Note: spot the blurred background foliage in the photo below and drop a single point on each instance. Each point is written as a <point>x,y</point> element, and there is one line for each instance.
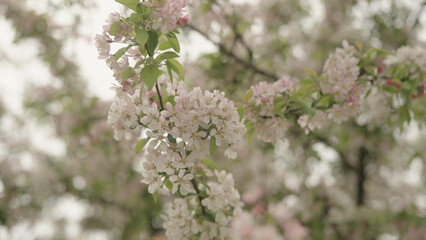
<point>362,179</point>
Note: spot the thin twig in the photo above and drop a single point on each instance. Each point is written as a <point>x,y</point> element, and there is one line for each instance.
<point>203,209</point>
<point>422,8</point>
<point>159,96</point>
<point>361,176</point>
<point>239,60</point>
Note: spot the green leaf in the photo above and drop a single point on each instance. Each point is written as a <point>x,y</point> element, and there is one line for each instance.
<point>132,4</point>
<point>176,67</point>
<point>169,71</point>
<point>150,74</point>
<point>141,37</point>
<point>213,146</point>
<point>279,112</point>
<point>203,183</point>
<point>155,196</point>
<point>359,45</point>
<point>174,42</point>
<point>324,100</point>
<point>121,52</point>
<point>127,73</point>
<point>114,28</point>
<point>164,45</point>
<point>241,112</point>
<point>166,55</point>
<point>171,99</point>
<point>309,110</point>
<point>136,17</point>
<point>171,138</point>
<point>246,97</point>
<point>168,183</point>
<point>311,72</point>
<point>152,42</point>
<point>140,144</point>
<point>205,7</point>
<point>209,163</point>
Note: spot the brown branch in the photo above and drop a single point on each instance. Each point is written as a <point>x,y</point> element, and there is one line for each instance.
<point>159,96</point>
<point>239,60</point>
<point>417,21</point>
<point>361,176</point>
<point>203,209</point>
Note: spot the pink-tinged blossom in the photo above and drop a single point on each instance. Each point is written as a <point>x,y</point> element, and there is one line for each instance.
<point>293,229</point>
<point>339,78</point>
<point>253,195</point>
<point>270,127</point>
<point>103,46</point>
<point>340,72</point>
<point>169,15</point>
<point>184,20</point>
<point>310,123</point>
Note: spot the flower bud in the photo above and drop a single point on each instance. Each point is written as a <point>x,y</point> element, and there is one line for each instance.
<point>398,85</point>
<point>183,21</point>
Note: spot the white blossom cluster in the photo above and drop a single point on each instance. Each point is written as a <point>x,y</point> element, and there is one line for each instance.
<point>270,126</point>
<point>340,73</point>
<point>182,220</point>
<point>122,115</point>
<point>339,78</point>
<point>122,35</point>
<point>245,227</point>
<point>183,133</point>
<point>409,55</point>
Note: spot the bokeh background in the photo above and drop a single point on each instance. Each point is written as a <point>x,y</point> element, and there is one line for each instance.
<point>62,176</point>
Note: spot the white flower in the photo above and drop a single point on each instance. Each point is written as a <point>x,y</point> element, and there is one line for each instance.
<point>103,46</point>
<point>182,180</point>
<point>154,181</point>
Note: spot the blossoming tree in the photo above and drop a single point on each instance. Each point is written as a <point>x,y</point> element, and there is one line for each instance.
<point>185,128</point>
<point>319,135</point>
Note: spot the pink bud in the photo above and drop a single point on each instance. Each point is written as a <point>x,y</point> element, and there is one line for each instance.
<point>389,82</point>
<point>398,85</point>
<point>422,93</point>
<point>422,86</point>
<point>183,21</point>
<point>414,96</point>
<point>379,69</point>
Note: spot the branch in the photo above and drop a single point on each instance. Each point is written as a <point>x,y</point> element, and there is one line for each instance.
<point>159,96</point>
<point>203,209</point>
<point>361,176</point>
<point>422,8</point>
<point>239,60</point>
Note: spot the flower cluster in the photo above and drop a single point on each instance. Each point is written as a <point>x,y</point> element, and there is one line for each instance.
<point>182,219</point>
<point>182,127</point>
<point>413,61</point>
<point>245,226</point>
<point>122,115</point>
<point>411,56</point>
<point>118,31</point>
<point>186,131</point>
<point>168,14</point>
<point>340,73</point>
<point>339,79</point>
<point>263,111</point>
